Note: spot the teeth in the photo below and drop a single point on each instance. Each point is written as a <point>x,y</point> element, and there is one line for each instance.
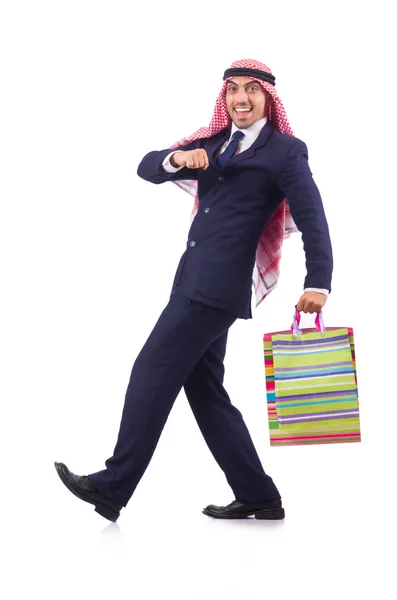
<point>242,109</point>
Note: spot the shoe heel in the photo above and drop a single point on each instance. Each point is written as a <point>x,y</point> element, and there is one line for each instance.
<point>106,512</point>
<point>270,514</point>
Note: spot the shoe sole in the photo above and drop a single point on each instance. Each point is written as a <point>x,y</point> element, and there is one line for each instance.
<point>268,514</point>
<point>101,509</point>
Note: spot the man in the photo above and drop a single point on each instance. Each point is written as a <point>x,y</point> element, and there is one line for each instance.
<point>252,186</point>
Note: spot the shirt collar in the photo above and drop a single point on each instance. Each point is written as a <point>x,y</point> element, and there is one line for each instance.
<point>251,133</point>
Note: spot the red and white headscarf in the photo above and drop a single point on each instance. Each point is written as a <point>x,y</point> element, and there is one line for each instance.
<point>281,224</point>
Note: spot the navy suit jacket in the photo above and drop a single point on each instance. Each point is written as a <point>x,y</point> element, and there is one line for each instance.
<point>235,204</point>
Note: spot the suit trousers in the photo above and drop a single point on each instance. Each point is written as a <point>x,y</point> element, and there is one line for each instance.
<point>186,348</point>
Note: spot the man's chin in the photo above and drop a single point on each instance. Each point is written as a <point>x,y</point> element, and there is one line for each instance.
<point>243,123</point>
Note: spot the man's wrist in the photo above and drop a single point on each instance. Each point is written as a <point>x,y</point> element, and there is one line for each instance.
<point>167,166</point>
<point>318,290</point>
<point>172,160</point>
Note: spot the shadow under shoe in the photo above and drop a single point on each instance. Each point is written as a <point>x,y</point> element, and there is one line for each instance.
<point>82,487</point>
<point>270,510</point>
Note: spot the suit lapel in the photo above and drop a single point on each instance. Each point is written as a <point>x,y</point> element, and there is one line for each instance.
<point>214,144</point>
<point>260,141</point>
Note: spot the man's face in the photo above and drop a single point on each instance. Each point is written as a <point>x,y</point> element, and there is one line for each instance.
<point>244,92</point>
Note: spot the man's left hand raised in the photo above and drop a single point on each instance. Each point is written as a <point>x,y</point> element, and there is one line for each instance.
<point>311,302</point>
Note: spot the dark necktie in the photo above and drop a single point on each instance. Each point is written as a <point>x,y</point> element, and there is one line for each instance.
<point>230,150</point>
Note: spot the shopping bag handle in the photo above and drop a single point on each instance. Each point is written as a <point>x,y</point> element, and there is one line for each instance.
<point>319,323</point>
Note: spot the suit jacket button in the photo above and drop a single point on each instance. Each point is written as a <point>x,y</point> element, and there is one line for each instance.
<point>221,178</point>
<point>207,210</point>
<point>192,244</point>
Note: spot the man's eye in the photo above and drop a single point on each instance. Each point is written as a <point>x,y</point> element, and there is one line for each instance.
<point>252,87</point>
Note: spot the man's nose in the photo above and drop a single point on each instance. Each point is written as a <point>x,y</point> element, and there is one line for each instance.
<point>242,97</point>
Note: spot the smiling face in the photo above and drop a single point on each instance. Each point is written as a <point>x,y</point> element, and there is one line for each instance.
<point>244,92</point>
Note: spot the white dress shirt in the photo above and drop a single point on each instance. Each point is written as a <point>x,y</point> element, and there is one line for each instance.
<point>250,135</point>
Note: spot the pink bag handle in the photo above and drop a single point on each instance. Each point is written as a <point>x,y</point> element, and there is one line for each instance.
<point>295,329</point>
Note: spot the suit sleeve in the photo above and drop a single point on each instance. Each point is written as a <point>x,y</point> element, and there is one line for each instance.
<point>150,168</point>
<point>306,206</point>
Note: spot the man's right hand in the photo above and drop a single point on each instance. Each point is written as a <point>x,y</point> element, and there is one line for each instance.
<point>192,159</point>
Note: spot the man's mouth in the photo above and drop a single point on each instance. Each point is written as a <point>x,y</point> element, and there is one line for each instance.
<point>243,111</point>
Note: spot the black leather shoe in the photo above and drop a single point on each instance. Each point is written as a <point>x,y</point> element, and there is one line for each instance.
<point>82,487</point>
<point>241,510</point>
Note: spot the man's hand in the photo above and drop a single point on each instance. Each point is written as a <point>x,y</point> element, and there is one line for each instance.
<point>311,302</point>
<point>192,159</point>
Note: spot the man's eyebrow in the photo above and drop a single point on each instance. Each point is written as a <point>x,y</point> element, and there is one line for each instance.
<point>249,83</point>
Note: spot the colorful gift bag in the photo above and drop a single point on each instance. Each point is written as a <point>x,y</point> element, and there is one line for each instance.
<point>311,385</point>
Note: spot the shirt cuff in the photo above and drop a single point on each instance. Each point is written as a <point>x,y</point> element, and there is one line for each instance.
<point>167,166</point>
<point>320,290</point>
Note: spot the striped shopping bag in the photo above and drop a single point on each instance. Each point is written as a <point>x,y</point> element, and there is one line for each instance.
<point>311,385</point>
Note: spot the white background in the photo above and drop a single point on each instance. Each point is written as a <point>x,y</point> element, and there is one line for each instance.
<point>88,254</point>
